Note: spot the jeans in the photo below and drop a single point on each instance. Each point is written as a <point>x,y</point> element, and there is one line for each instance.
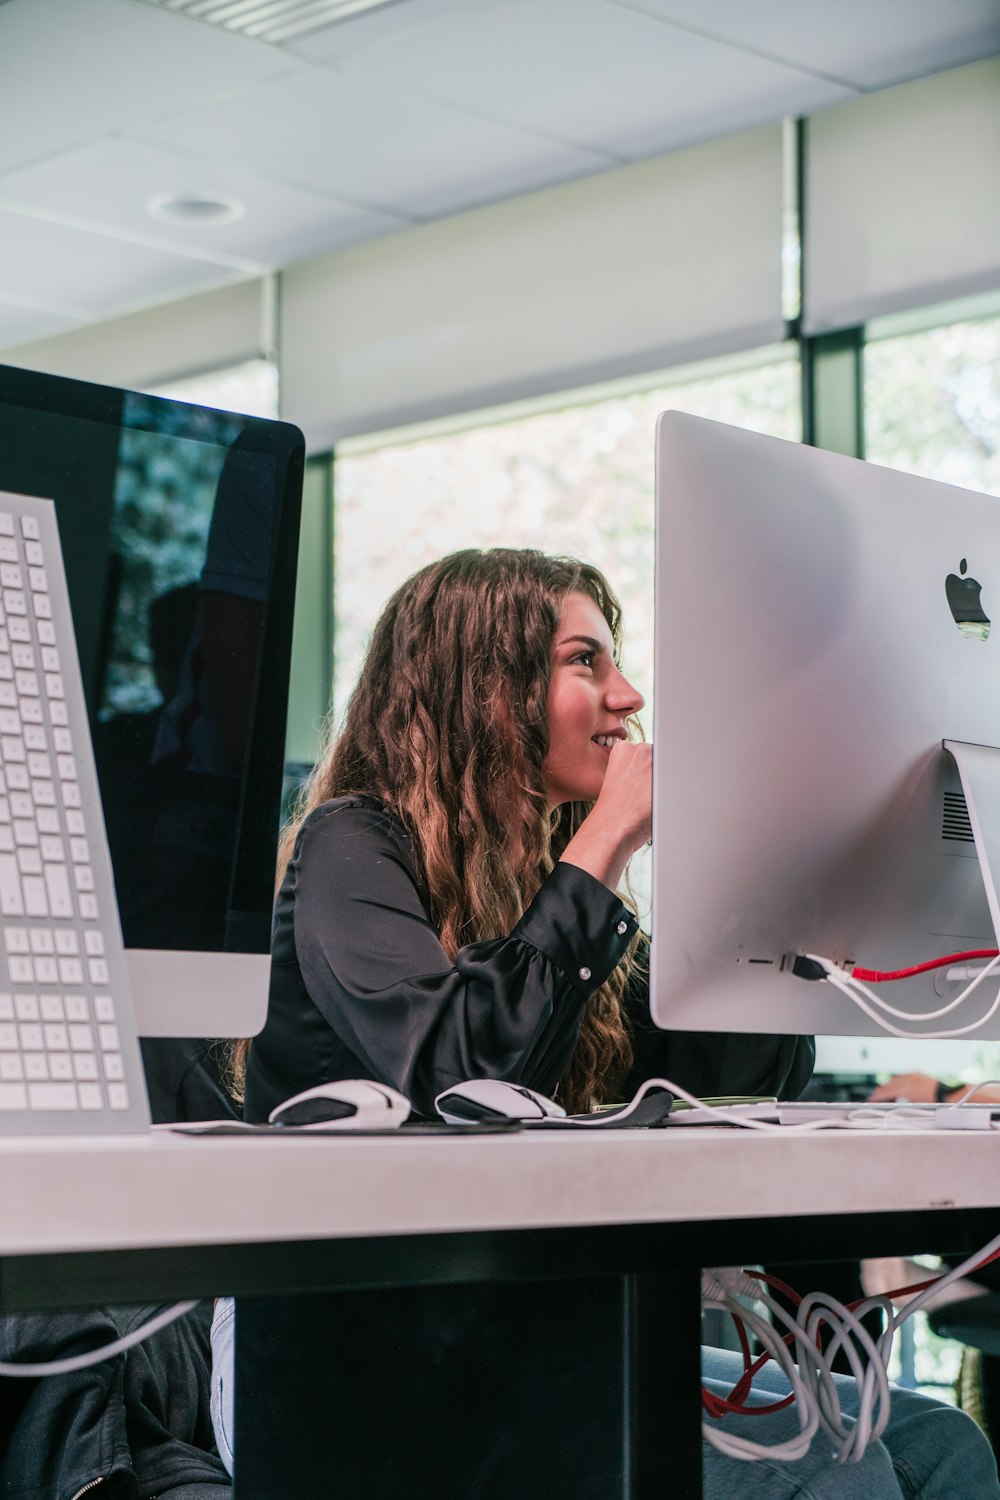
<point>928,1451</point>
<point>223,1368</point>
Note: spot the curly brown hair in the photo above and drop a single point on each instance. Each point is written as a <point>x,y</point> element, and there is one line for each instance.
<point>447,728</point>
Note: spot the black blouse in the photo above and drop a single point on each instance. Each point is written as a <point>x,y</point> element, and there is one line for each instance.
<point>361,987</point>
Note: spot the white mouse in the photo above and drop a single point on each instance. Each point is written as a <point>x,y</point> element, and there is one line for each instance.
<point>347,1104</point>
<point>492,1099</point>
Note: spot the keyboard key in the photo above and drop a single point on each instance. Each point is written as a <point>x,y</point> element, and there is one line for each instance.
<point>60,1096</point>
<point>29,528</point>
<point>66,766</point>
<point>36,899</point>
<point>19,630</point>
<point>91,1096</point>
<point>30,1034</point>
<point>84,1065</point>
<point>12,748</point>
<point>13,1096</point>
<point>56,1037</point>
<point>70,971</point>
<point>6,1007</point>
<point>22,654</point>
<point>20,970</point>
<point>63,741</point>
<point>37,581</point>
<point>52,1007</point>
<point>76,1007</point>
<point>104,1008</point>
<point>11,902</point>
<point>46,817</point>
<point>88,907</point>
<point>25,832</point>
<point>10,576</point>
<point>33,554</point>
<point>46,632</point>
<point>26,1007</point>
<point>29,862</point>
<point>38,762</point>
<point>46,970</point>
<point>75,821</point>
<point>70,794</point>
<point>11,1066</point>
<point>8,1037</point>
<point>18,779</point>
<point>42,606</point>
<point>83,875</point>
<point>79,851</point>
<point>57,885</point>
<point>14,602</point>
<point>36,739</point>
<point>107,1035</point>
<point>67,942</point>
<point>51,848</point>
<point>117,1096</point>
<point>58,712</point>
<point>44,793</point>
<point>31,711</point>
<point>60,1065</point>
<point>98,970</point>
<point>93,944</point>
<point>81,1038</point>
<point>36,1065</point>
<point>21,805</point>
<point>114,1068</point>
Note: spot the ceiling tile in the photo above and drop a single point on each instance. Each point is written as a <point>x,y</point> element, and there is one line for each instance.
<point>21,325</point>
<point>53,265</point>
<point>868,43</point>
<point>84,69</point>
<point>592,73</point>
<point>373,28</point>
<point>373,146</point>
<point>110,183</point>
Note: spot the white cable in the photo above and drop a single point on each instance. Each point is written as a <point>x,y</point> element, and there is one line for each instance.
<point>809,1370</point>
<point>106,1351</point>
<point>854,989</point>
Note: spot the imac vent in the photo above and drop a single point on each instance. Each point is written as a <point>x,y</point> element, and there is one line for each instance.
<point>955,823</point>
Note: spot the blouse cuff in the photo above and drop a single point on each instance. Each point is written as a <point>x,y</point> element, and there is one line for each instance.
<point>580,925</point>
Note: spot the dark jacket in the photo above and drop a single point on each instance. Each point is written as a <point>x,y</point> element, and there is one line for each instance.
<point>361,987</point>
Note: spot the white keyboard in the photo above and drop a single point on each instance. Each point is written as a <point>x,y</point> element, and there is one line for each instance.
<point>69,1059</point>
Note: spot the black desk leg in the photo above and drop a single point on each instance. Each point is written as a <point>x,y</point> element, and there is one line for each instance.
<point>664,1384</point>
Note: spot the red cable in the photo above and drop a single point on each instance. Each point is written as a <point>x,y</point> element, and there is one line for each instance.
<point>874,976</point>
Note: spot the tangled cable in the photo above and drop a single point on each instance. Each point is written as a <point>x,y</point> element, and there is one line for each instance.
<point>806,1365</point>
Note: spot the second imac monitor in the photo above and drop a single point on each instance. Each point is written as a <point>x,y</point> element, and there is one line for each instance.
<point>821,629</point>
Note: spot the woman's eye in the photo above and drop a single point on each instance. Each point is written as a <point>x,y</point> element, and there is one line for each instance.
<point>584,658</point>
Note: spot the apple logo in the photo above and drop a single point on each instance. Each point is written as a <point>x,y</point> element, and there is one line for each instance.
<point>964,603</point>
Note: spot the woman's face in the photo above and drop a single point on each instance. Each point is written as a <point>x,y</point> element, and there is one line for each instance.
<point>588,703</point>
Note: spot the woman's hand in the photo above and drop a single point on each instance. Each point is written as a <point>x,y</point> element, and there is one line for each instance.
<point>621,819</point>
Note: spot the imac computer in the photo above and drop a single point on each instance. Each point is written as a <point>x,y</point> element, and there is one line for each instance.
<point>179,532</point>
<point>826,733</point>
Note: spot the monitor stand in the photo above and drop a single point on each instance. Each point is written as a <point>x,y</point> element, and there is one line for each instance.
<point>979,773</point>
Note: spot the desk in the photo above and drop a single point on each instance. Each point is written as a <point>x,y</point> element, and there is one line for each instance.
<point>138,1218</point>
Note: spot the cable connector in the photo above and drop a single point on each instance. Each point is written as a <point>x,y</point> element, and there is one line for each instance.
<point>804,967</point>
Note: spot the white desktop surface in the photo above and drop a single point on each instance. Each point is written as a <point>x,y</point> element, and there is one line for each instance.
<point>68,1194</point>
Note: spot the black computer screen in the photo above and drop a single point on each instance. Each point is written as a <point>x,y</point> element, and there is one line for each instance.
<point>179,531</point>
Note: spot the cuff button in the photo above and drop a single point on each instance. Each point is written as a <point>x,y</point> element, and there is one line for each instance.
<point>622,928</point>
<point>584,972</point>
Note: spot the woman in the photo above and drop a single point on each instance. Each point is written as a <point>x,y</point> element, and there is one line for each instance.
<point>447,906</point>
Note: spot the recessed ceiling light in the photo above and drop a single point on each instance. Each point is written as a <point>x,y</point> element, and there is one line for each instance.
<point>195,209</point>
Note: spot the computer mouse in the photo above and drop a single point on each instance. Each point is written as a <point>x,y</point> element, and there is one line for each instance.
<point>347,1104</point>
<point>494,1099</point>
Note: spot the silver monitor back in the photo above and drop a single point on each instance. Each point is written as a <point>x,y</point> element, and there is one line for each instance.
<point>807,669</point>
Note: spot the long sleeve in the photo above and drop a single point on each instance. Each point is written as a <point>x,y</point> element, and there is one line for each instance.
<point>355,946</point>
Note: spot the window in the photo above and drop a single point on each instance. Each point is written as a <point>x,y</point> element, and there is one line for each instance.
<point>932,403</point>
<point>577,480</point>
